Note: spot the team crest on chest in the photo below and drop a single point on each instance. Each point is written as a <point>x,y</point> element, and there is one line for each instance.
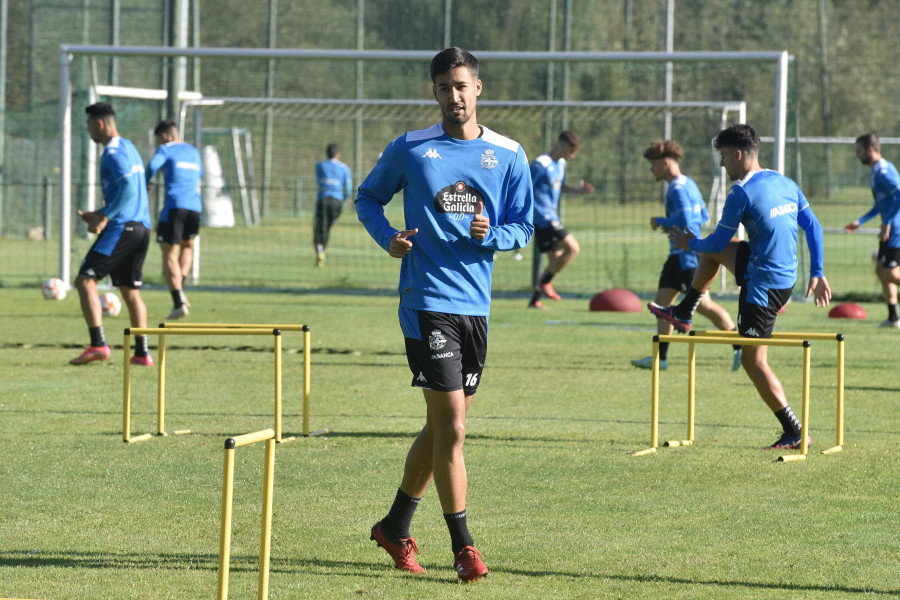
<point>488,160</point>
<point>437,340</point>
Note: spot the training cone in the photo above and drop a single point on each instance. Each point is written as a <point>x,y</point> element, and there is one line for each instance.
<point>847,310</point>
<point>617,300</point>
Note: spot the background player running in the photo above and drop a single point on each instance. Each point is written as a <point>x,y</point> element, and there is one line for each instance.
<point>885,183</point>
<point>684,210</point>
<point>548,176</point>
<point>770,206</point>
<point>179,219</point>
<point>466,194</point>
<point>335,186</point>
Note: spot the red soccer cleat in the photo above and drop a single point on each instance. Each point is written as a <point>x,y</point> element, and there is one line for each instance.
<point>91,354</point>
<point>144,361</point>
<point>547,290</point>
<point>469,566</point>
<point>402,551</point>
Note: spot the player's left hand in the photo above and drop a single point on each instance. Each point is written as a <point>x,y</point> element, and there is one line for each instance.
<point>480,223</point>
<point>585,188</point>
<point>681,237</point>
<point>818,286</point>
<point>885,232</point>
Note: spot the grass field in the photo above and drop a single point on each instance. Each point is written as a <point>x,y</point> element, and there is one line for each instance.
<point>557,503</point>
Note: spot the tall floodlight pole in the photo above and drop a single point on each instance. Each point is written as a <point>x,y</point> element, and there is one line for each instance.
<point>3,31</point>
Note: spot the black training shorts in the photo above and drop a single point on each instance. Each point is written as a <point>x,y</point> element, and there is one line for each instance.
<point>546,238</point>
<point>449,351</point>
<point>181,225</point>
<point>126,263</point>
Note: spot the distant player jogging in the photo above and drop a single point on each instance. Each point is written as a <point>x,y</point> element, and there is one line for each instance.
<point>179,219</point>
<point>123,236</point>
<point>548,176</point>
<point>335,186</point>
<point>885,184</point>
<point>771,207</point>
<point>466,195</point>
<point>684,210</point>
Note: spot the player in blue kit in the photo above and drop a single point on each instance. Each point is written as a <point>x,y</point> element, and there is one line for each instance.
<point>684,210</point>
<point>123,228</point>
<point>335,186</point>
<point>466,194</point>
<point>885,183</point>
<point>771,207</point>
<point>548,176</point>
<point>179,219</point>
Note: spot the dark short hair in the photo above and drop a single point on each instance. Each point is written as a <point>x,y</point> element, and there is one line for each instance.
<point>664,149</point>
<point>165,126</point>
<point>449,59</point>
<point>741,136</point>
<point>332,149</point>
<point>869,140</point>
<point>100,110</point>
<point>571,138</point>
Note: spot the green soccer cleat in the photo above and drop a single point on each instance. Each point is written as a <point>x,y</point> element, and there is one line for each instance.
<point>647,363</point>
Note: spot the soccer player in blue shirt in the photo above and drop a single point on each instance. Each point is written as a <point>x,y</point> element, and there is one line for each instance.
<point>771,207</point>
<point>179,219</point>
<point>335,186</point>
<point>466,195</point>
<point>123,228</point>
<point>684,210</point>
<point>548,176</point>
<point>885,183</point>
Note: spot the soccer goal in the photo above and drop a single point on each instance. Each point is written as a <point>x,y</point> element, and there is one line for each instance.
<point>393,96</point>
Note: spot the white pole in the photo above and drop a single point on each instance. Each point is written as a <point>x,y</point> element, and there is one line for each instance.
<point>65,165</point>
<point>780,130</point>
<point>670,47</point>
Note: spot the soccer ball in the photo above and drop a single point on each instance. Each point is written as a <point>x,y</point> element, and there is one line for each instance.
<point>111,304</point>
<point>54,289</point>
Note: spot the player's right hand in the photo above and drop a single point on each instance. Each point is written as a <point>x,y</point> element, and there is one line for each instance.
<point>400,245</point>
<point>851,227</point>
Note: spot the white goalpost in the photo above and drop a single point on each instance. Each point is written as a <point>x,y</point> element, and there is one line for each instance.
<point>190,100</point>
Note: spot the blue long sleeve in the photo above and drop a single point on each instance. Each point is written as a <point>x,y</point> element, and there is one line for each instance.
<point>814,241</point>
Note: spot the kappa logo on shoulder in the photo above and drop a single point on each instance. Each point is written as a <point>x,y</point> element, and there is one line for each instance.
<point>432,153</point>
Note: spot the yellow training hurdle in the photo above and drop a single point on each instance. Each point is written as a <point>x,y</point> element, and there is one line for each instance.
<point>210,329</point>
<point>265,543</point>
<point>307,359</point>
<point>720,339</point>
<point>839,376</point>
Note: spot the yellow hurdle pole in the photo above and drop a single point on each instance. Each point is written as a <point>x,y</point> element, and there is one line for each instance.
<point>227,500</point>
<point>277,334</point>
<point>126,390</point>
<point>692,390</point>
<point>239,326</point>
<point>804,425</point>
<point>161,388</point>
<point>265,542</point>
<point>307,361</point>
<point>804,428</point>
<point>225,525</point>
<point>839,435</point>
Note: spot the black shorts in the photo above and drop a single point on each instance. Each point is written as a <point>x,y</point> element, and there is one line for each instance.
<point>741,260</point>
<point>674,277</point>
<point>759,321</point>
<point>888,257</point>
<point>182,225</point>
<point>125,266</point>
<point>546,238</point>
<point>448,353</point>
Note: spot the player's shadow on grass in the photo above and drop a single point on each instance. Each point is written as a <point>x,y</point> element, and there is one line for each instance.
<point>32,559</point>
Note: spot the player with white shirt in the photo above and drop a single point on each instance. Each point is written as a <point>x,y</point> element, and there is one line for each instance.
<point>466,195</point>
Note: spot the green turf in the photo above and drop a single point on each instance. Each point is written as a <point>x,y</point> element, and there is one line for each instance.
<point>557,503</point>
